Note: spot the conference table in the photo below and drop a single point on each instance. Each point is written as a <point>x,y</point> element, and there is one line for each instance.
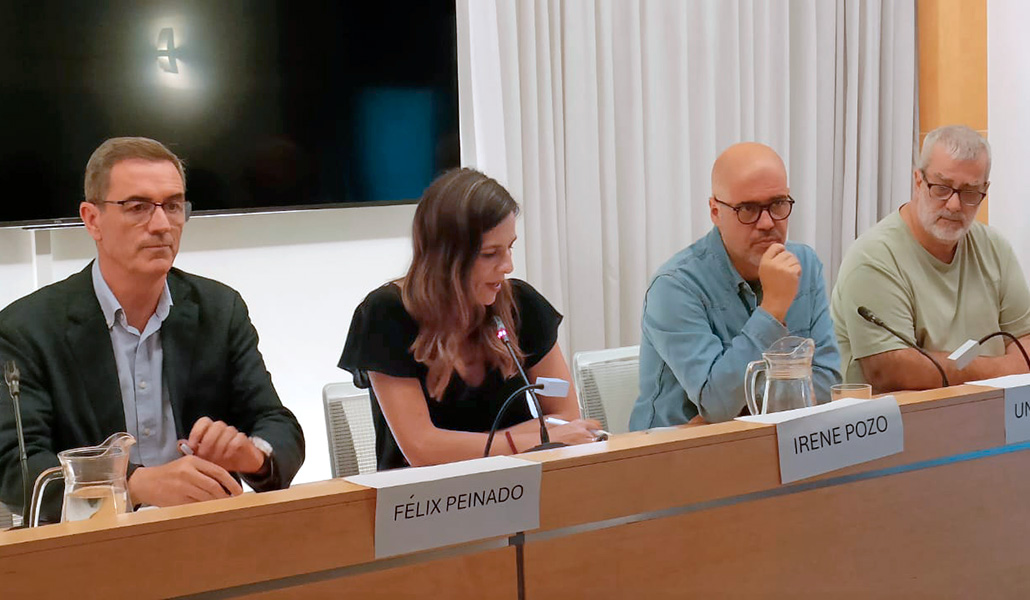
<point>673,512</point>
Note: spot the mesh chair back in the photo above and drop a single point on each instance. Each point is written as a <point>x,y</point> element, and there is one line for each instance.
<point>607,383</point>
<point>349,428</point>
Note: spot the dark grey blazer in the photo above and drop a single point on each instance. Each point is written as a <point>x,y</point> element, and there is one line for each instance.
<point>70,396</point>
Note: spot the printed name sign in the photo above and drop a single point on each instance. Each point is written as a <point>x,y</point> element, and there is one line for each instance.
<point>1017,414</point>
<point>1017,405</point>
<point>824,438</point>
<point>430,507</point>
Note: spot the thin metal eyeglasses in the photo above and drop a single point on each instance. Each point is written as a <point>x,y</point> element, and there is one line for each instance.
<point>943,193</point>
<point>749,213</point>
<point>141,211</point>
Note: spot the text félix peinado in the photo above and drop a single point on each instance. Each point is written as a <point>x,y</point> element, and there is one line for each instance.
<point>455,502</point>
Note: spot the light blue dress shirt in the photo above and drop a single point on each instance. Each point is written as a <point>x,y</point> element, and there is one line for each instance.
<point>702,326</point>
<point>138,357</point>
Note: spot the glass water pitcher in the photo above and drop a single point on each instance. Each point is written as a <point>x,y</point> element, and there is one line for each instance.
<point>787,365</point>
<point>94,481</point>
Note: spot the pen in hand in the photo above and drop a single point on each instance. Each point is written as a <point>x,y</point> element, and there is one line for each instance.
<point>185,450</point>
<point>600,434</point>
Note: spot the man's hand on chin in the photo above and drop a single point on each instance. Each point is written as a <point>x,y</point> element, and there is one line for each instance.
<point>780,274</point>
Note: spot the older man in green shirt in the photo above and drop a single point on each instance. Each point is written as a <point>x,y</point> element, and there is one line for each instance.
<point>933,273</point>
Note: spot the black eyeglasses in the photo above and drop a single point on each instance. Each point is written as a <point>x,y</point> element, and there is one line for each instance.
<point>943,193</point>
<point>141,211</point>
<point>749,213</point>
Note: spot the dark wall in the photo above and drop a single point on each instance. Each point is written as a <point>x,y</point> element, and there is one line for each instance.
<point>275,103</point>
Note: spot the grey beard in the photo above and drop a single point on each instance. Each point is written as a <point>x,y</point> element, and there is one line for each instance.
<point>928,218</point>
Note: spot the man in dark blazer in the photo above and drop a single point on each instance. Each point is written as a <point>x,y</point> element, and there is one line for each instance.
<point>132,344</point>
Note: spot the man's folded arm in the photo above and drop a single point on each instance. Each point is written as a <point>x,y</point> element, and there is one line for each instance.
<point>887,363</point>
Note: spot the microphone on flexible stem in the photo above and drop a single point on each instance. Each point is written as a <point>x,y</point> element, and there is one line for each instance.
<point>868,315</point>
<point>545,438</point>
<point>1011,337</point>
<point>12,377</point>
<point>500,415</point>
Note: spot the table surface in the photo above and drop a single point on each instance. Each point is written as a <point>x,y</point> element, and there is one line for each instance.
<point>602,505</point>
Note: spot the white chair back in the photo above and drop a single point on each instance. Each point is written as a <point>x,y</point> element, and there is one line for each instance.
<point>349,428</point>
<point>607,383</point>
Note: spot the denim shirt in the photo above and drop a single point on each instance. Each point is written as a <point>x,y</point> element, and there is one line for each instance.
<point>702,326</point>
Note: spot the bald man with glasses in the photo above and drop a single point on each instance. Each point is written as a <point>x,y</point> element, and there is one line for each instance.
<point>719,303</point>
<point>933,273</point>
<point>132,344</point>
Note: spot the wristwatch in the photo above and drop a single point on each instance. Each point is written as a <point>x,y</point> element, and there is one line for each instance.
<point>261,445</point>
<point>266,449</point>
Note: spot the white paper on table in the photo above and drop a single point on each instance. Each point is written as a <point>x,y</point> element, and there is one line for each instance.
<point>394,477</point>
<point>797,413</point>
<point>1006,381</point>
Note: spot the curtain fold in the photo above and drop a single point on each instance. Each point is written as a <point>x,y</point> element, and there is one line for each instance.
<point>603,118</point>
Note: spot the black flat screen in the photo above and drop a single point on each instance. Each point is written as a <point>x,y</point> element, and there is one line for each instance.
<point>273,104</point>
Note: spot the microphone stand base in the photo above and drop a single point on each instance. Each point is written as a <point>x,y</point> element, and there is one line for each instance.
<point>547,446</point>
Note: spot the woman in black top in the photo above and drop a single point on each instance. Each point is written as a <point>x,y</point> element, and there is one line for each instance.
<point>427,347</point>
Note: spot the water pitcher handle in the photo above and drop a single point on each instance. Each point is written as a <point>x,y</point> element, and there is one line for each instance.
<point>37,493</point>
<point>750,377</point>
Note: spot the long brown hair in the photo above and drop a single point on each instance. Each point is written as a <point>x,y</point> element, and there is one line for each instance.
<point>452,216</point>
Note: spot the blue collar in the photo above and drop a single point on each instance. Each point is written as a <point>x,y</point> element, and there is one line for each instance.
<point>110,305</point>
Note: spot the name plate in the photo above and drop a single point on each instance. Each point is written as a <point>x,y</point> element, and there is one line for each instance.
<point>824,438</point>
<point>1017,405</point>
<point>1017,414</point>
<point>429,507</point>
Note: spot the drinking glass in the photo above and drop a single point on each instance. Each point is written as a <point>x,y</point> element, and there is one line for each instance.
<point>851,390</point>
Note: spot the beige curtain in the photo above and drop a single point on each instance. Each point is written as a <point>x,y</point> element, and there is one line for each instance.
<point>603,118</point>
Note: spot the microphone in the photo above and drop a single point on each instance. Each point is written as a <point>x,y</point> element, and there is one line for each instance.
<point>500,414</point>
<point>545,438</point>
<point>12,377</point>
<point>868,315</point>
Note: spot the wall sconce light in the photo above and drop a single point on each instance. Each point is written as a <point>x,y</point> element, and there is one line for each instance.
<point>166,51</point>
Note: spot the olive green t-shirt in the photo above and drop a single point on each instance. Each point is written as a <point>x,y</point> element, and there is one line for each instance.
<point>937,305</point>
